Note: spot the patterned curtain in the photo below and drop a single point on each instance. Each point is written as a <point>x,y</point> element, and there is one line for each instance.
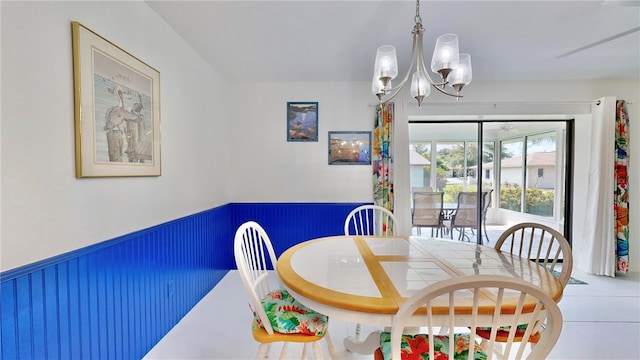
<point>621,198</point>
<point>382,157</point>
<point>605,249</point>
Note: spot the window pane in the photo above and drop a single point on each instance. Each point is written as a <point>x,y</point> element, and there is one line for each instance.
<point>420,164</point>
<point>488,154</point>
<point>541,174</point>
<point>450,171</point>
<point>471,164</point>
<point>511,163</point>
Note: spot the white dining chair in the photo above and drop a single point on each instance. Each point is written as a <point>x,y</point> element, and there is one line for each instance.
<point>465,215</point>
<point>255,259</point>
<point>370,220</point>
<point>506,307</point>
<point>543,245</point>
<point>426,211</point>
<point>487,195</point>
<point>539,243</point>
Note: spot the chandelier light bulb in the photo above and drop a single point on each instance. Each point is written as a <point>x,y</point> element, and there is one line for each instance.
<point>461,76</point>
<point>377,88</point>
<point>445,55</point>
<point>420,87</point>
<point>386,66</point>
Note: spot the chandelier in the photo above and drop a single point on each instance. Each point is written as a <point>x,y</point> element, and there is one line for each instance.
<point>454,68</point>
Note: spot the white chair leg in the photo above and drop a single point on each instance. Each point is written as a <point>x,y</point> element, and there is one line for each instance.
<point>332,349</point>
<point>283,353</point>
<point>304,351</point>
<point>497,349</point>
<point>358,330</point>
<point>317,351</point>
<point>263,351</point>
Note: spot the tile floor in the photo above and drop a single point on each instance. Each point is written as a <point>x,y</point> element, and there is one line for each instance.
<point>601,321</point>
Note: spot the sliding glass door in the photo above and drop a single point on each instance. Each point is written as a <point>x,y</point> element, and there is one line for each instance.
<point>526,159</point>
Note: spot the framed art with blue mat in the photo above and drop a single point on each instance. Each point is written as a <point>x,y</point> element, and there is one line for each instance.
<point>349,147</point>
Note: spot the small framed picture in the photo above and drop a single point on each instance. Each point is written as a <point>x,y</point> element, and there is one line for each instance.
<point>349,147</point>
<point>302,121</point>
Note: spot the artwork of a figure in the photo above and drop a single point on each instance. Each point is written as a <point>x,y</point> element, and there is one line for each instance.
<point>122,101</point>
<point>116,115</point>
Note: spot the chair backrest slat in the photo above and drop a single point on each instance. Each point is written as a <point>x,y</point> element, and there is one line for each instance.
<point>514,302</point>
<point>543,244</point>
<point>370,220</point>
<point>253,253</point>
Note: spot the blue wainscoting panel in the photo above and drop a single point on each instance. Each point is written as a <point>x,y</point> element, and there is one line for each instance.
<point>118,298</point>
<point>288,224</point>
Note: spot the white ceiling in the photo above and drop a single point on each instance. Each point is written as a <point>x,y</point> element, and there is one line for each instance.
<point>337,40</point>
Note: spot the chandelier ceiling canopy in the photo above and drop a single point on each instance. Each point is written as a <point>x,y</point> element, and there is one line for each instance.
<point>454,68</point>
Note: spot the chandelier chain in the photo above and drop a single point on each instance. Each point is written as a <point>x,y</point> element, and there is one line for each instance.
<point>417,18</point>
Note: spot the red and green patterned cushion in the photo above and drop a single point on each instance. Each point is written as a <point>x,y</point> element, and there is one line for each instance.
<point>503,333</point>
<point>504,328</point>
<point>416,347</point>
<point>288,316</point>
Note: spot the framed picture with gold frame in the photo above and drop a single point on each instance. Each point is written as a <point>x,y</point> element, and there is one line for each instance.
<point>117,109</point>
<point>349,147</point>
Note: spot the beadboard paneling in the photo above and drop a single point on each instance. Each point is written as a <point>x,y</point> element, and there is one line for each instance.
<point>118,298</point>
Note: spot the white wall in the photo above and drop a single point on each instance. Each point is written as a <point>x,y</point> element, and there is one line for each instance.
<point>268,168</point>
<point>45,210</point>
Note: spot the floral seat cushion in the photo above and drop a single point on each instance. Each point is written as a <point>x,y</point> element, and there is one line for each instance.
<point>288,316</point>
<point>522,327</point>
<point>503,333</point>
<point>416,347</point>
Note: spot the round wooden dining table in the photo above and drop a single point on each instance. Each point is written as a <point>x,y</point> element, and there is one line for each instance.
<point>365,279</point>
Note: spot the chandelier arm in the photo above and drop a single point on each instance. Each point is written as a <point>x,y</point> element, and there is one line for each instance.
<point>385,99</point>
<point>421,66</point>
<point>435,86</point>
<point>417,36</point>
